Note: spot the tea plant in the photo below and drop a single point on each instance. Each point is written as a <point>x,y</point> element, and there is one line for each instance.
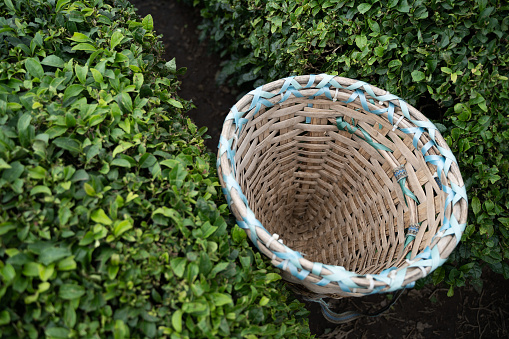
<point>111,225</point>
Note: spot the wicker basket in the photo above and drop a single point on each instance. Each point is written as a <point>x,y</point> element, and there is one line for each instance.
<point>348,189</point>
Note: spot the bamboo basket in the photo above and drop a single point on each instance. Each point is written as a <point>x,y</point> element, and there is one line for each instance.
<point>348,190</point>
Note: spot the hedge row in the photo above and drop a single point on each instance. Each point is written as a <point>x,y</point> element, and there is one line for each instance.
<point>111,224</point>
<point>449,58</point>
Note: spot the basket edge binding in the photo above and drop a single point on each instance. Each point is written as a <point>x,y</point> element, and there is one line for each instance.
<point>332,280</point>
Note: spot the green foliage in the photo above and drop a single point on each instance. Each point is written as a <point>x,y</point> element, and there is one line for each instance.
<point>449,58</point>
<point>110,225</point>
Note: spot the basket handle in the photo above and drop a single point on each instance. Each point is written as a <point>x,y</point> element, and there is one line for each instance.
<point>347,316</point>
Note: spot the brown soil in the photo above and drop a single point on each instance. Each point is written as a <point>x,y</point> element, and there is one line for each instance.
<point>425,313</point>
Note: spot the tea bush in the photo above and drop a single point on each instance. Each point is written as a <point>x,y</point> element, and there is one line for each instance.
<point>111,225</point>
<point>448,58</point>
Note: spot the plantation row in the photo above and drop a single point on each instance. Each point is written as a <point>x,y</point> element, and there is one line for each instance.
<point>112,225</point>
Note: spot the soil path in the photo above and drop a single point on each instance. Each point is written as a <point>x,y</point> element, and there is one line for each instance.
<point>425,313</point>
<point>178,23</point>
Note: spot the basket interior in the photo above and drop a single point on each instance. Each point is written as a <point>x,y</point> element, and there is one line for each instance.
<point>329,193</point>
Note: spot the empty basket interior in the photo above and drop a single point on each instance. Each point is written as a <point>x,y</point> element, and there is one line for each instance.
<point>313,171</point>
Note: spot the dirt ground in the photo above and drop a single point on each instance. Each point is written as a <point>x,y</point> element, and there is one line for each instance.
<point>425,313</point>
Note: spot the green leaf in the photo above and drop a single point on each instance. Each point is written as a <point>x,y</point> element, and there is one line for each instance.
<point>120,163</point>
<point>482,105</point>
<point>361,41</point>
<point>504,221</point>
<point>171,66</point>
<point>80,175</point>
<point>3,164</point>
<point>53,61</point>
<point>97,75</point>
<point>147,160</point>
<point>52,254</point>
<point>438,275</point>
<point>446,70</point>
<point>178,266</point>
<point>456,133</point>
<point>43,287</point>
<point>9,5</point>
<point>121,330</point>
<point>476,205</point>
<point>418,76</point>
<point>31,269</point>
<point>72,91</point>
<point>84,47</point>
<point>454,77</point>
<point>6,227</point>
<point>122,227</point>
<point>5,318</point>
<point>45,272</point>
<point>40,189</point>
<point>395,63</point>
<point>421,13</point>
<point>138,80</point>
<point>392,3</point>
<point>176,320</point>
<point>125,102</point>
<point>175,103</point>
<point>270,277</point>
<point>34,67</point>
<point>80,37</point>
<point>24,122</point>
<point>363,8</point>
<point>68,144</point>
<point>379,51</point>
<point>100,217</point>
<point>71,291</point>
<point>81,73</point>
<point>89,189</point>
<point>484,119</point>
<point>238,234</point>
<point>194,307</point>
<point>208,230</point>
<point>116,38</point>
<point>177,175</point>
<point>450,292</point>
<point>220,299</point>
<point>121,148</point>
<point>57,333</point>
<point>61,3</point>
<point>441,128</point>
<point>489,205</point>
<point>264,301</point>
<point>69,315</point>
<point>218,268</point>
<point>403,6</point>
<point>55,131</point>
<point>14,172</point>
<point>70,120</point>
<point>8,273</point>
<point>67,264</point>
<point>31,298</point>
<point>148,23</point>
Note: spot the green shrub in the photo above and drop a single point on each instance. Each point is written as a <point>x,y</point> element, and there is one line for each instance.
<point>109,221</point>
<point>449,58</point>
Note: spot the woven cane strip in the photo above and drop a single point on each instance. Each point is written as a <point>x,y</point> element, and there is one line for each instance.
<point>312,159</point>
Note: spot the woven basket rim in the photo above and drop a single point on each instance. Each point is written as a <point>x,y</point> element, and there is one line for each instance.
<point>314,275</point>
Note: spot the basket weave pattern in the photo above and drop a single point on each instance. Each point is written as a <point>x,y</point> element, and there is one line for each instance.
<point>361,188</point>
